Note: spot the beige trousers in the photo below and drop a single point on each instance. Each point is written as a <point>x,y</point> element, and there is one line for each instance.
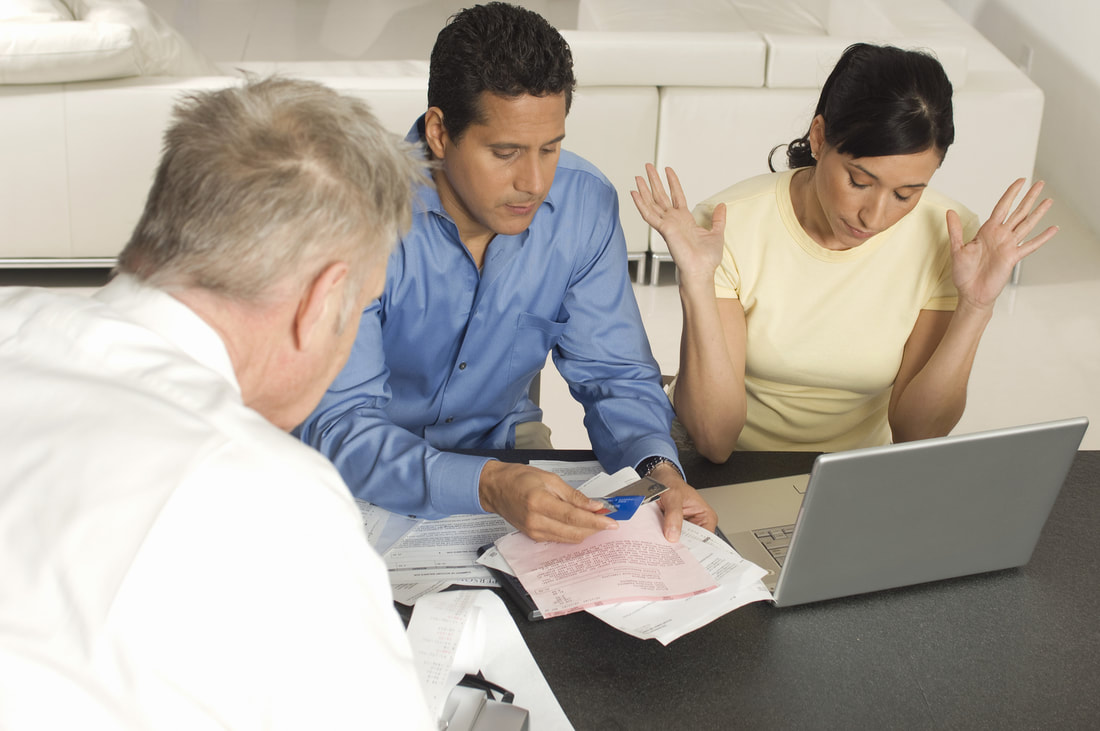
<point>533,435</point>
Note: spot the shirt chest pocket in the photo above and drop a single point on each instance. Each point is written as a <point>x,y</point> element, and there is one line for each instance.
<point>532,340</point>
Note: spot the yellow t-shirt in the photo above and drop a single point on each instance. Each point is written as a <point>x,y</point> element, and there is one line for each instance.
<point>826,329</point>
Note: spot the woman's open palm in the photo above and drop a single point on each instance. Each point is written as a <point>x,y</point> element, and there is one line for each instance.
<point>982,266</point>
<point>697,251</point>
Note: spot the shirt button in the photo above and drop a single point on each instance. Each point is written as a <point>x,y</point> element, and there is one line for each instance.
<point>450,419</point>
<point>462,366</point>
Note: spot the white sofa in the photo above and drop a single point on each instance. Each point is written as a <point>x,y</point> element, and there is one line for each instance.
<point>720,115</point>
<point>707,87</point>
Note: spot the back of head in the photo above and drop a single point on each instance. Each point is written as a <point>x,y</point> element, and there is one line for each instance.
<point>881,100</point>
<point>498,48</point>
<point>270,181</point>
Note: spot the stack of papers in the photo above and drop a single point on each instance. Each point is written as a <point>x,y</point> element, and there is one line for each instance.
<point>631,578</point>
<point>633,563</point>
<point>733,581</point>
<point>427,556</point>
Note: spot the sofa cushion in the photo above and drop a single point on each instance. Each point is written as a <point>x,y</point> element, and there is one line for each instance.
<point>626,58</point>
<point>46,41</point>
<point>687,41</point>
<point>660,16</point>
<point>653,42</point>
<point>45,52</point>
<point>160,49</point>
<point>33,11</point>
<point>804,61</point>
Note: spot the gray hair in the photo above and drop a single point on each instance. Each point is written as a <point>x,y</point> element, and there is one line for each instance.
<point>269,181</point>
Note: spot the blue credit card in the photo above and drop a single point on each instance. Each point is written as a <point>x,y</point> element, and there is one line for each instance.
<point>620,507</point>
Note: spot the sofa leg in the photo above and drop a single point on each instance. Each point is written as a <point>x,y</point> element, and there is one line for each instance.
<point>639,260</point>
<point>655,261</point>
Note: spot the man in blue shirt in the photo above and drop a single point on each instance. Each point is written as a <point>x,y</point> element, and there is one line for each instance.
<point>516,252</point>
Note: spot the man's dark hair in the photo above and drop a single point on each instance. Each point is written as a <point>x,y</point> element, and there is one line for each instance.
<point>881,100</point>
<point>499,48</point>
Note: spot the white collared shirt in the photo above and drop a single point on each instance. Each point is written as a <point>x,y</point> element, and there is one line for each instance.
<point>169,558</point>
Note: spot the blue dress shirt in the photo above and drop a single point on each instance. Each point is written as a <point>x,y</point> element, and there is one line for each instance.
<point>444,358</point>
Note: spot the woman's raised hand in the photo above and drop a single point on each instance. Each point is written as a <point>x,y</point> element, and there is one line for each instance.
<point>981,267</point>
<point>697,251</point>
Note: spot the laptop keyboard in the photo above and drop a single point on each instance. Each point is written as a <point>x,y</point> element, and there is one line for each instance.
<point>776,540</point>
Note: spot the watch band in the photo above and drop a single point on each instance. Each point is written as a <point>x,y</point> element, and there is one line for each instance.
<point>649,464</point>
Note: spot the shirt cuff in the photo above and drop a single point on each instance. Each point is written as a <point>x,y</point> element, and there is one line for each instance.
<point>453,483</point>
<point>653,446</point>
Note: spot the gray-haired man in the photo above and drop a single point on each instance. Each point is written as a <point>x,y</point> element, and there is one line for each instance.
<point>172,558</point>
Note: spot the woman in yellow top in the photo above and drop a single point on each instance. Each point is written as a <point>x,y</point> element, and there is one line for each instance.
<point>839,304</point>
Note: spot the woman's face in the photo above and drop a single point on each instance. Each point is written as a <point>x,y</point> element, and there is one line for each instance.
<point>859,197</point>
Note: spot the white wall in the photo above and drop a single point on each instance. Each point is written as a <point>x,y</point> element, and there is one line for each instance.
<point>1054,42</point>
<point>966,8</point>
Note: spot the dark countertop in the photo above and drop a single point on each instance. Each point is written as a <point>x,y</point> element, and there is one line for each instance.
<point>1018,648</point>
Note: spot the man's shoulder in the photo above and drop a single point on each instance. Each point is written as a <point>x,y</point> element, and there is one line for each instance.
<point>21,305</point>
<point>251,443</point>
<point>576,170</point>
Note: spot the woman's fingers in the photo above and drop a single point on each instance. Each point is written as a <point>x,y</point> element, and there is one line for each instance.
<point>677,190</point>
<point>1028,247</point>
<point>1024,209</point>
<point>1031,220</point>
<point>1004,205</point>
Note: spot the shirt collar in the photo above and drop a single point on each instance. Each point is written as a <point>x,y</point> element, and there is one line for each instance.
<point>172,320</point>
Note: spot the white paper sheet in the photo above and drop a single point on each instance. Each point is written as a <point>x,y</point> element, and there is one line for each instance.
<point>436,554</point>
<point>495,646</point>
<point>573,474</point>
<point>383,527</point>
<point>447,643</point>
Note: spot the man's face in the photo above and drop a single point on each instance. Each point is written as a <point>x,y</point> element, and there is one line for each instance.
<point>495,177</point>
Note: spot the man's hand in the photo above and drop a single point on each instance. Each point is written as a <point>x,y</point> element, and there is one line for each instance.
<point>539,503</point>
<point>681,502</point>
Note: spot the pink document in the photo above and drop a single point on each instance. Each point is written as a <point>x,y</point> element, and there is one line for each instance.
<point>633,563</point>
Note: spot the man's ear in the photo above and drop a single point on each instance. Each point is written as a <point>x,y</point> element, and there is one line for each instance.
<point>435,133</point>
<point>321,295</point>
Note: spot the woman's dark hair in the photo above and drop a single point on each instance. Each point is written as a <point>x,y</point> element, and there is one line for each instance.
<point>499,48</point>
<point>881,100</point>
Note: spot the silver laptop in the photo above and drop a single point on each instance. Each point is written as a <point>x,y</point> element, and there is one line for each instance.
<point>902,514</point>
